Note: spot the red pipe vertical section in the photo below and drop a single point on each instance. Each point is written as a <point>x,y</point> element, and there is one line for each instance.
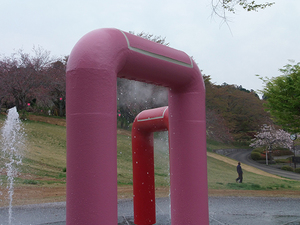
<point>143,178</point>
<point>144,125</point>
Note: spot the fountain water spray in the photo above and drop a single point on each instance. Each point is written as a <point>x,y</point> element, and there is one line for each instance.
<point>13,143</point>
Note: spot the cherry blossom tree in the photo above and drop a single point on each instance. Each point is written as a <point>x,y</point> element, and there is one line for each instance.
<point>270,137</point>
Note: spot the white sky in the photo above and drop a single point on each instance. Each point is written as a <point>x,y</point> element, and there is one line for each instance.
<point>256,43</point>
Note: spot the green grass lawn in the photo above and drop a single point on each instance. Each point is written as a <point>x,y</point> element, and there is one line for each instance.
<point>44,162</point>
<point>222,176</point>
<point>44,159</point>
<point>214,145</point>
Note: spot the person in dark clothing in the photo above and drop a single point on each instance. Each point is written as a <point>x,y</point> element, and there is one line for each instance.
<point>240,173</point>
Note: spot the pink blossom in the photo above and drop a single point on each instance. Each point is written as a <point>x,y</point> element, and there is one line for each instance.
<point>269,136</point>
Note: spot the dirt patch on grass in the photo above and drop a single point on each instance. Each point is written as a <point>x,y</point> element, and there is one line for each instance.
<point>27,195</point>
<point>63,122</point>
<point>45,119</point>
<point>256,193</point>
<point>125,192</point>
<point>36,194</point>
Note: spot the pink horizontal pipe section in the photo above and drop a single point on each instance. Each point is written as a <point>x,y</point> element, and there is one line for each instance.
<point>147,122</point>
<point>156,48</point>
<point>95,62</point>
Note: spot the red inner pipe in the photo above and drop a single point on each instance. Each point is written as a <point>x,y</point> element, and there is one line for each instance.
<point>144,125</point>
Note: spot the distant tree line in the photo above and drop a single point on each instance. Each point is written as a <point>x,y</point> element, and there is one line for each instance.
<point>33,82</point>
<point>282,95</point>
<point>37,83</point>
<point>233,113</point>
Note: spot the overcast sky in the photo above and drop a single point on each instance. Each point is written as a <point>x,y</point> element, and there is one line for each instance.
<point>256,43</point>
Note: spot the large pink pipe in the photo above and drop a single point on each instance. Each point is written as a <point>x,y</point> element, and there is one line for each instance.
<point>94,64</point>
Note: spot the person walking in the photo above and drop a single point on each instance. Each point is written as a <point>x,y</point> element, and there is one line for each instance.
<point>240,173</point>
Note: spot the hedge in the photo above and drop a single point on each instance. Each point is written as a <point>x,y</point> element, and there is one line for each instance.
<point>255,155</point>
<point>287,168</point>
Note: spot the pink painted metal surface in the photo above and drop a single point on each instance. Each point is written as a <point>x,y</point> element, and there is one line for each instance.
<point>147,122</point>
<point>94,64</point>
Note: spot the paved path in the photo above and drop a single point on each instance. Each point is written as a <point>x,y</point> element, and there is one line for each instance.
<point>222,210</point>
<point>244,157</point>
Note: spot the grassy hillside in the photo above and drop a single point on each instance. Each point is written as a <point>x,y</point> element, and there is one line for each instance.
<point>222,175</point>
<point>44,162</point>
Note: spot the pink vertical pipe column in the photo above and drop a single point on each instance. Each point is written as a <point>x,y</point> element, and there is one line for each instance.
<point>91,130</point>
<point>147,122</point>
<point>188,166</point>
<point>94,63</point>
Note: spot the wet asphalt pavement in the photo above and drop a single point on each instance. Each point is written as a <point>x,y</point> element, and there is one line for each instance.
<point>222,210</point>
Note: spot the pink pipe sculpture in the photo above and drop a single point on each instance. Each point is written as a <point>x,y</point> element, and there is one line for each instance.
<point>147,122</point>
<point>94,64</point>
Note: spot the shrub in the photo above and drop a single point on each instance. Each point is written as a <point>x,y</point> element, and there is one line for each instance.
<point>260,150</point>
<point>30,182</point>
<point>287,168</point>
<point>23,114</point>
<point>263,156</point>
<point>297,170</point>
<point>255,187</point>
<point>62,175</point>
<point>280,152</point>
<point>282,160</point>
<point>245,186</point>
<point>255,155</point>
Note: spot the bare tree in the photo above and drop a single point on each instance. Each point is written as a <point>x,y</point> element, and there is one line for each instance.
<point>221,7</point>
<point>4,68</point>
<point>157,39</point>
<point>22,75</point>
<point>56,74</point>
